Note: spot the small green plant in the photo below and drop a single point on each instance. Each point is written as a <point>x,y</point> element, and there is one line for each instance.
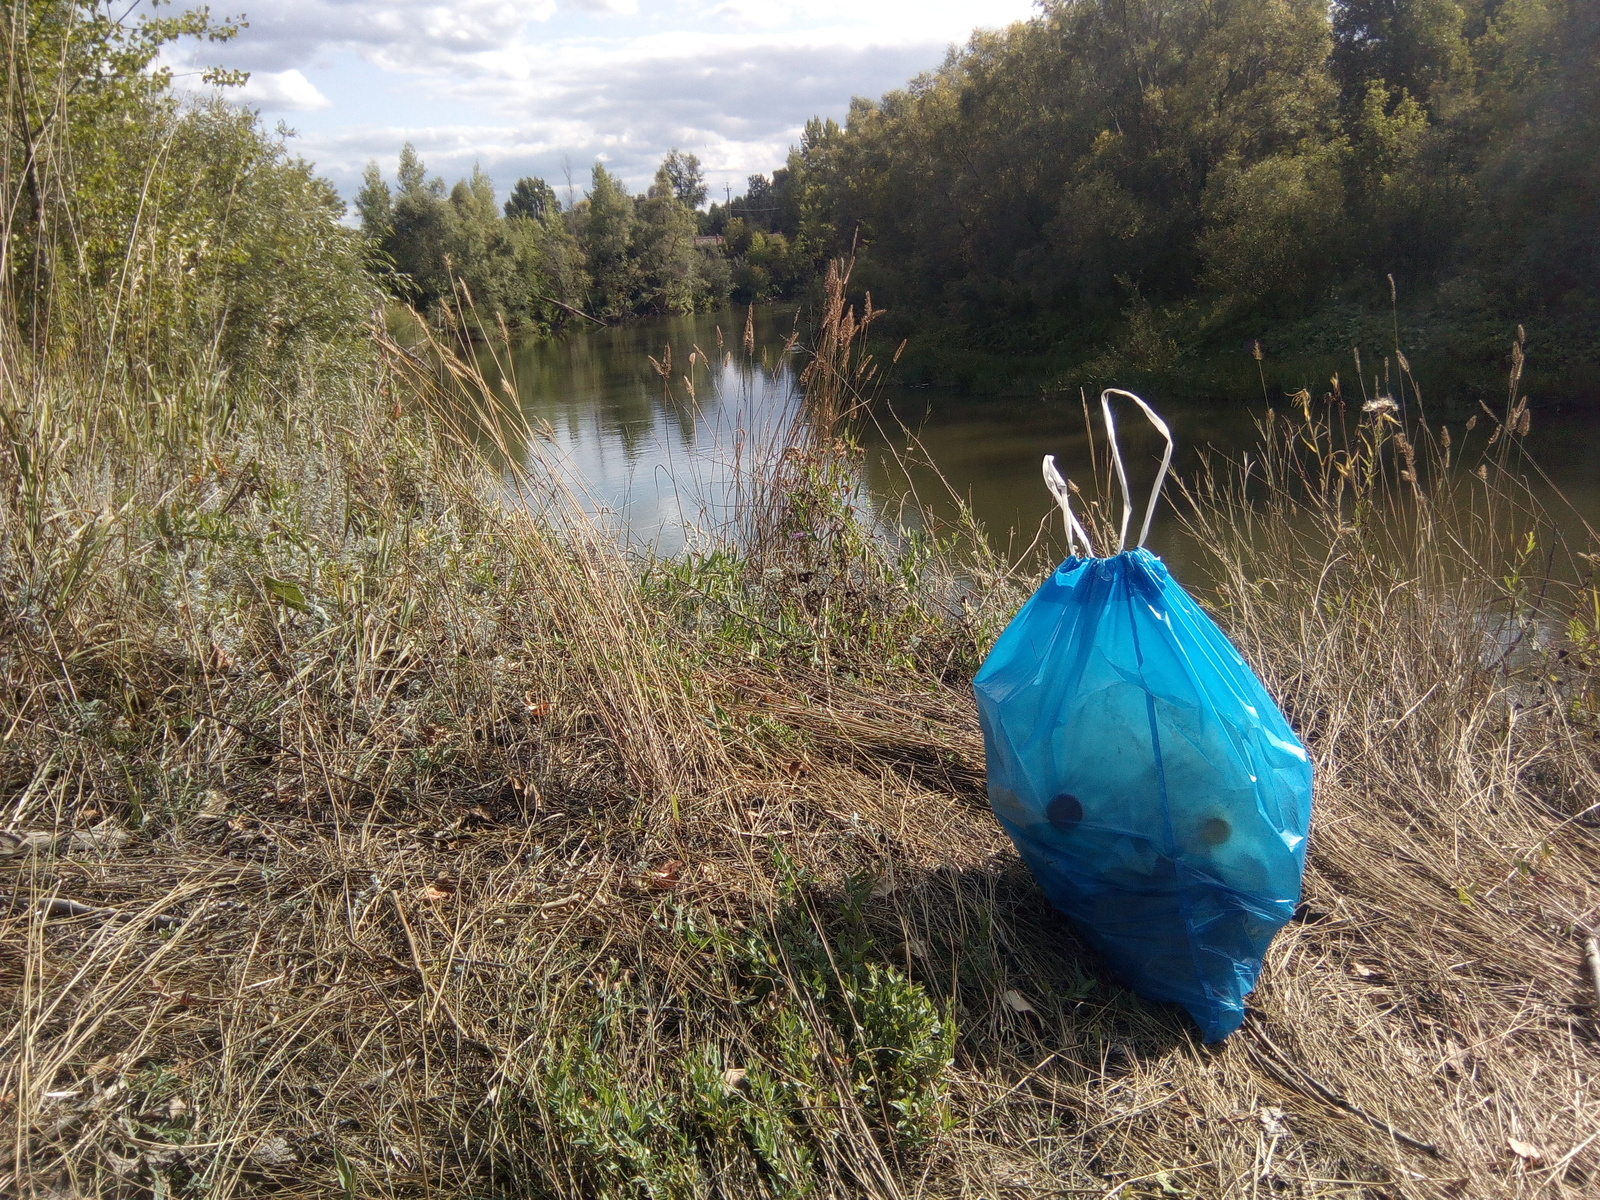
<point>620,1135</point>
<point>893,1039</point>
<point>822,1025</point>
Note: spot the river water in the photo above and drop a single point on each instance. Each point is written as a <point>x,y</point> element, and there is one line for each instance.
<point>662,464</point>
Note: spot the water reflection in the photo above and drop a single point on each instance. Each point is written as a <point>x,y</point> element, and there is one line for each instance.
<point>662,465</point>
<point>985,453</point>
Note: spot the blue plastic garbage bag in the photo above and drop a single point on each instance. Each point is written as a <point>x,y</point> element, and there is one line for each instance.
<point>1147,778</point>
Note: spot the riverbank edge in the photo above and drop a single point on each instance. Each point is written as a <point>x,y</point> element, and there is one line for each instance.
<point>370,834</point>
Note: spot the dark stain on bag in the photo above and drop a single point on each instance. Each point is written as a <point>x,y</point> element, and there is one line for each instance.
<point>1064,812</point>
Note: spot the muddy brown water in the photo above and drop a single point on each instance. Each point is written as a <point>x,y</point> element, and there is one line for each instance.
<point>660,465</point>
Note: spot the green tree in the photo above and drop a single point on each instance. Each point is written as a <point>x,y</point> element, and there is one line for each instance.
<point>455,257</point>
<point>1418,47</point>
<point>669,265</point>
<point>1046,168</point>
<point>159,230</point>
<point>684,177</point>
<point>419,234</point>
<point>375,204</point>
<point>1271,227</point>
<point>550,269</point>
<point>1537,182</point>
<point>288,279</point>
<point>606,222</point>
<point>478,253</point>
<point>532,197</point>
<point>82,84</point>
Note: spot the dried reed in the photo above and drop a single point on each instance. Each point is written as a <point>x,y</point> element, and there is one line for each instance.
<point>426,844</point>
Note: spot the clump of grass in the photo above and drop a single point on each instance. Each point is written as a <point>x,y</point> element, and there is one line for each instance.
<point>369,835</point>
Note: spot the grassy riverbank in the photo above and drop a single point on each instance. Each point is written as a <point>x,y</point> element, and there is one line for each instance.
<point>367,836</point>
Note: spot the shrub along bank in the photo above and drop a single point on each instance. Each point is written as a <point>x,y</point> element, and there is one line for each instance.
<point>1140,182</point>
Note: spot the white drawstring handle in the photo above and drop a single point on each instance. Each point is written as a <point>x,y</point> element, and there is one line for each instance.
<point>1060,489</point>
<point>1122,474</point>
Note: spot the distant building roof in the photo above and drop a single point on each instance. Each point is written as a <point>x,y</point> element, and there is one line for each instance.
<point>705,241</point>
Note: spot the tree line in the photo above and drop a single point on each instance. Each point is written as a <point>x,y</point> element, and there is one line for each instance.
<point>1194,168</point>
<point>533,263</point>
<point>539,266</point>
<point>1142,172</point>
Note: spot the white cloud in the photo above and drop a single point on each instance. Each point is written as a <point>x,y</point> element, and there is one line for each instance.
<point>739,108</point>
<point>283,91</point>
<point>615,8</point>
<point>753,14</point>
<point>531,87</point>
<point>411,34</point>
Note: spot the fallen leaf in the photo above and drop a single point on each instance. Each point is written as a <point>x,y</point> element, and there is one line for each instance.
<point>272,1151</point>
<point>379,1078</point>
<point>1362,971</point>
<point>160,1160</point>
<point>59,1188</point>
<point>15,843</point>
<point>1524,1150</point>
<point>104,838</point>
<point>107,1096</point>
<point>1016,1002</point>
<point>665,877</point>
<point>214,806</point>
<point>734,1078</point>
<point>1272,1121</point>
<point>289,593</point>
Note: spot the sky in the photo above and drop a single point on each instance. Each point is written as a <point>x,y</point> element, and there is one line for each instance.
<point>547,87</point>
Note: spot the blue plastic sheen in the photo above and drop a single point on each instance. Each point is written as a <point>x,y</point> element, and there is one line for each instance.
<point>1148,780</point>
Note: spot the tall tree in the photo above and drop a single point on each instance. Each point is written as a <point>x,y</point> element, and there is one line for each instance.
<point>606,228</point>
<point>84,86</point>
<point>684,177</point>
<point>532,197</point>
<point>1532,231</point>
<point>669,263</point>
<point>1051,172</point>
<point>419,232</point>
<point>1419,47</point>
<point>375,204</point>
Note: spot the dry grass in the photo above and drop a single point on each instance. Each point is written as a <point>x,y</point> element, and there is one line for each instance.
<point>498,863</point>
